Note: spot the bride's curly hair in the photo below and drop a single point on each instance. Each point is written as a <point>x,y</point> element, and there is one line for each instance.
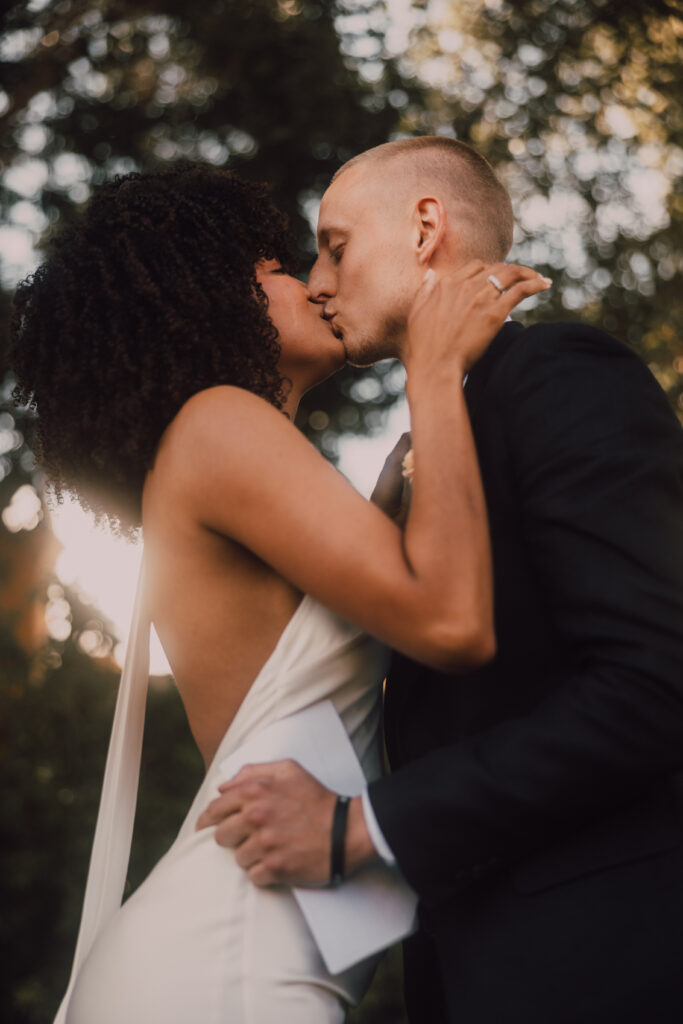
<point>150,297</point>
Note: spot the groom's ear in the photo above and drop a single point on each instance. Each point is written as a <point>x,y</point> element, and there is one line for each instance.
<point>430,227</point>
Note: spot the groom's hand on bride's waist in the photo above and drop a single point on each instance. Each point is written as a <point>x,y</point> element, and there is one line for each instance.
<point>278,819</point>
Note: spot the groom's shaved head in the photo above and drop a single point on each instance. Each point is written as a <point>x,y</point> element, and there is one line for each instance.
<point>466,182</point>
<point>389,214</point>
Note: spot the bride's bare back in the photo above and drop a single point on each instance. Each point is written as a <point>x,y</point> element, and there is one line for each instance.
<point>218,609</point>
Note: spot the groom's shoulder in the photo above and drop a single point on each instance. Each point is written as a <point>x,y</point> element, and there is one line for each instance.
<point>560,339</point>
<point>558,348</point>
<point>567,370</point>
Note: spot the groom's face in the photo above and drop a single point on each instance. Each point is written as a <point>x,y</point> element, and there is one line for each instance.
<point>365,275</point>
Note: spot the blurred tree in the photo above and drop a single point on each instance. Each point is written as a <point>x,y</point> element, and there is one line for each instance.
<point>577,103</point>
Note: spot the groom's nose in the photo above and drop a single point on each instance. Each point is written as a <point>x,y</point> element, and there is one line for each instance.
<point>320,282</point>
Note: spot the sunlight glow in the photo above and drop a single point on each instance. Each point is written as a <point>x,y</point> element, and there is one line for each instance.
<point>24,511</point>
<point>104,570</point>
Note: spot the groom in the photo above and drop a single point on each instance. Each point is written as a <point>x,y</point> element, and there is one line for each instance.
<point>534,804</point>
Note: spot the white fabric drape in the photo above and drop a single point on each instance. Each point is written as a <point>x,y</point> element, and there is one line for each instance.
<point>114,829</point>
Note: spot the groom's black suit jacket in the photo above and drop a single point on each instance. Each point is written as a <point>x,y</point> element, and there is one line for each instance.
<point>534,803</point>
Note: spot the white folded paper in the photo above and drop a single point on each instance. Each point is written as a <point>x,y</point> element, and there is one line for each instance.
<point>375,907</point>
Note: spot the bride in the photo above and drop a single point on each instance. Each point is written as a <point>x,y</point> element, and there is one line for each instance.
<point>166,347</point>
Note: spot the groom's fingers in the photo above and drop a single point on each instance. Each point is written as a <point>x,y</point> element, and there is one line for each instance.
<point>242,805</point>
<point>247,785</point>
<point>233,831</point>
<point>218,809</point>
<point>250,852</point>
<point>234,798</point>
<point>277,818</point>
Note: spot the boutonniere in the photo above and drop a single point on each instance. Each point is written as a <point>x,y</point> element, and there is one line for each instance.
<point>408,466</point>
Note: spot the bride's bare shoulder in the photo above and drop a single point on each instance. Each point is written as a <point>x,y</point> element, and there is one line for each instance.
<point>223,402</point>
<point>223,422</point>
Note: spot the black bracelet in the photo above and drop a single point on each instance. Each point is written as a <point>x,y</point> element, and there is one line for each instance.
<point>341,813</point>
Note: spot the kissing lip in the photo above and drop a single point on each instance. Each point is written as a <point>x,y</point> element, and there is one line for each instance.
<point>330,319</point>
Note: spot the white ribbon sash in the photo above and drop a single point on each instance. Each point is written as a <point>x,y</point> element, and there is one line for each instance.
<point>114,829</point>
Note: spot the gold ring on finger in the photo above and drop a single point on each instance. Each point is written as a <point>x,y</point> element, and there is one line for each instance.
<point>496,283</point>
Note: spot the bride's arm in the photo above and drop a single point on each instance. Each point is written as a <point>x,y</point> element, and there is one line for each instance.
<point>244,471</point>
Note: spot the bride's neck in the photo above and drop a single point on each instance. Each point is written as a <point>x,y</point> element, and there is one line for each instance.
<point>292,399</point>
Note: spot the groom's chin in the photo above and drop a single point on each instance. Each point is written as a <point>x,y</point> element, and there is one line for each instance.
<point>369,350</point>
<point>363,362</point>
<point>361,357</point>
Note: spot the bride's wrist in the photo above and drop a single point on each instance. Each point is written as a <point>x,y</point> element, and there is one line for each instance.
<point>426,378</point>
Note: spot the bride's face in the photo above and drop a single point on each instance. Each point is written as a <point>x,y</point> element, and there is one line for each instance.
<point>310,350</point>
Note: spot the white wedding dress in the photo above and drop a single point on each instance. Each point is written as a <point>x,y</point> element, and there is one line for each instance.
<point>197,941</point>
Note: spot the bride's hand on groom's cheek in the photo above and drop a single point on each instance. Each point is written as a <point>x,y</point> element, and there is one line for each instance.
<point>278,818</point>
<point>456,314</point>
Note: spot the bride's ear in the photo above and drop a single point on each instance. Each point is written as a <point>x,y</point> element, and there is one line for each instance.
<point>430,227</point>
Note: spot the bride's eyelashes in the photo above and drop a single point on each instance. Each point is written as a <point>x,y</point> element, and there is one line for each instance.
<point>336,254</point>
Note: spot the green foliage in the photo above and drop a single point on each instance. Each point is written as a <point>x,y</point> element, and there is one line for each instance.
<point>577,102</point>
